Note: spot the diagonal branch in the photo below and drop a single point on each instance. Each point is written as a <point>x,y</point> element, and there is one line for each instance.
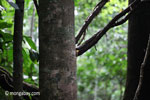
<point>36,6</point>
<point>96,37</point>
<point>123,20</point>
<point>83,36</point>
<point>143,65</point>
<point>95,12</point>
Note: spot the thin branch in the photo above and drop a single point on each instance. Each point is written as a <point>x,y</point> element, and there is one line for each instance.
<point>32,23</point>
<point>95,12</point>
<point>146,59</point>
<point>96,37</point>
<point>122,20</point>
<point>83,36</point>
<point>5,80</point>
<point>36,6</point>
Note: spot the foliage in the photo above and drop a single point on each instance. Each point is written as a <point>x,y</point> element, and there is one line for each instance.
<point>6,41</point>
<point>102,70</point>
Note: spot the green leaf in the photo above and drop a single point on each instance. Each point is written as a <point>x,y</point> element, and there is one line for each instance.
<point>10,54</point>
<point>34,56</point>
<point>6,36</point>
<point>26,58</point>
<point>25,55</point>
<point>30,42</point>
<point>5,25</point>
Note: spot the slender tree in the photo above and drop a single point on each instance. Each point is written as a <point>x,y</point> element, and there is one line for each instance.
<point>57,64</point>
<point>17,50</point>
<point>138,33</point>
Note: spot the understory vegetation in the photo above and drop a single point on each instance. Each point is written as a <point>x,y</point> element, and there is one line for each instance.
<point>101,71</point>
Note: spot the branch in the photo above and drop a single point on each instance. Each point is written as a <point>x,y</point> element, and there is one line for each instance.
<point>6,82</point>
<point>36,6</point>
<point>146,59</point>
<point>123,20</point>
<point>95,12</point>
<point>96,37</point>
<point>83,36</point>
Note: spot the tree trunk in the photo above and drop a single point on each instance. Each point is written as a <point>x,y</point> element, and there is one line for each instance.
<point>17,50</point>
<point>57,64</point>
<point>138,33</point>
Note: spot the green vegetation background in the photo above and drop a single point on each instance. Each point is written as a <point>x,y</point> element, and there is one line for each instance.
<point>101,71</point>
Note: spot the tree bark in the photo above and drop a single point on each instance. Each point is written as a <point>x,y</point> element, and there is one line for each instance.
<point>57,64</point>
<point>17,50</point>
<point>142,71</point>
<point>138,33</point>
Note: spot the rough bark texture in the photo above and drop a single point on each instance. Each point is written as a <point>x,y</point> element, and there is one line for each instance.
<point>57,72</point>
<point>17,49</point>
<point>138,33</point>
